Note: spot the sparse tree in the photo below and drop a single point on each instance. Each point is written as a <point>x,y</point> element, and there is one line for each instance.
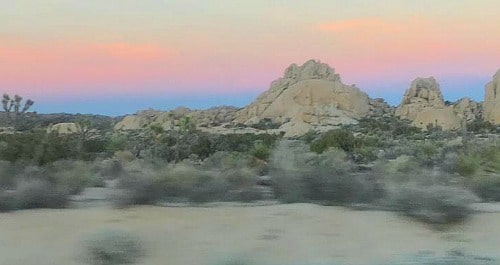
<point>14,108</point>
<point>85,131</point>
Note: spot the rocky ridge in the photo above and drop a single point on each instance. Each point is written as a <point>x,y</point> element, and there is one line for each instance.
<point>313,97</point>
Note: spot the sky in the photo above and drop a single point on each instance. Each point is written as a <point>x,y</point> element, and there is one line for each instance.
<point>118,56</point>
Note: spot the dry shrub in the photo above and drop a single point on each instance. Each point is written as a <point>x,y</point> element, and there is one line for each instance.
<point>35,193</point>
<point>329,177</point>
<point>74,176</point>
<point>435,204</point>
<point>112,247</point>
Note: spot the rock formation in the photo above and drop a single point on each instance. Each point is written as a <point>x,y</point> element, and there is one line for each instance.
<point>63,128</point>
<point>492,100</point>
<point>379,108</point>
<point>313,97</point>
<point>467,109</point>
<point>424,105</point>
<point>169,119</point>
<point>308,96</point>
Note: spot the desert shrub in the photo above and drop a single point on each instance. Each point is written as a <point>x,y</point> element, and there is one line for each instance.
<point>288,186</point>
<point>34,193</point>
<point>207,188</point>
<point>112,247</point>
<point>435,204</point>
<point>74,176</point>
<point>454,257</point>
<point>338,138</point>
<point>8,173</point>
<point>242,142</point>
<point>401,169</point>
<point>123,156</point>
<point>260,151</point>
<point>328,177</point>
<point>112,168</point>
<point>364,154</point>
<point>487,187</point>
<point>491,158</point>
<point>468,165</point>
<point>7,201</point>
<point>227,160</point>
<point>177,180</point>
<point>246,194</point>
<point>140,187</point>
<point>427,152</point>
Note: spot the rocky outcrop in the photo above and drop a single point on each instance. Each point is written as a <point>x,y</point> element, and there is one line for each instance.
<point>63,128</point>
<point>468,110</point>
<point>492,100</point>
<point>169,119</point>
<point>424,105</point>
<point>306,97</point>
<point>379,108</point>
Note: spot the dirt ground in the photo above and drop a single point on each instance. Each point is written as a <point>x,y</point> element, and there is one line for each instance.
<point>277,234</point>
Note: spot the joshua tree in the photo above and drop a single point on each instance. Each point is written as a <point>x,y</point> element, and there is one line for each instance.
<point>14,107</point>
<point>85,131</point>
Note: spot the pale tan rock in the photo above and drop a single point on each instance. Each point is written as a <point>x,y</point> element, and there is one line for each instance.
<point>169,119</point>
<point>424,105</point>
<point>492,100</point>
<point>63,128</point>
<point>307,96</point>
<point>467,109</point>
<point>445,118</point>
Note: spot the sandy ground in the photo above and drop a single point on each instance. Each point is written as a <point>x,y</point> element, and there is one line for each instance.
<point>277,234</point>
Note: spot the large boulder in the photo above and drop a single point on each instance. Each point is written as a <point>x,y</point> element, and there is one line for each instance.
<point>307,97</point>
<point>492,100</point>
<point>63,128</point>
<point>424,105</point>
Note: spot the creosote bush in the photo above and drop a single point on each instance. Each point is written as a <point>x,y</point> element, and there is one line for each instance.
<point>301,176</point>
<point>7,201</point>
<point>221,177</point>
<point>435,204</point>
<point>37,193</point>
<point>112,247</point>
<point>487,187</point>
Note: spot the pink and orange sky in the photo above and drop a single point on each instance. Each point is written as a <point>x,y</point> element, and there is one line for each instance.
<point>115,57</point>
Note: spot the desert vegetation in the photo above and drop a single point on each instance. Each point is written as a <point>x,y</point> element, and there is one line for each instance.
<point>431,176</point>
<point>382,163</point>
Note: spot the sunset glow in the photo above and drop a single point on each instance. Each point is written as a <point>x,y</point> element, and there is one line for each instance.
<point>99,50</point>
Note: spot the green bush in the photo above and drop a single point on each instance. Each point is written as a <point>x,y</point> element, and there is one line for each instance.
<point>338,138</point>
<point>435,204</point>
<point>261,151</point>
<point>468,165</point>
<point>113,247</point>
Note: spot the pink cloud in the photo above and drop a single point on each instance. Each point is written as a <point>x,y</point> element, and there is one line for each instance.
<point>362,24</point>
